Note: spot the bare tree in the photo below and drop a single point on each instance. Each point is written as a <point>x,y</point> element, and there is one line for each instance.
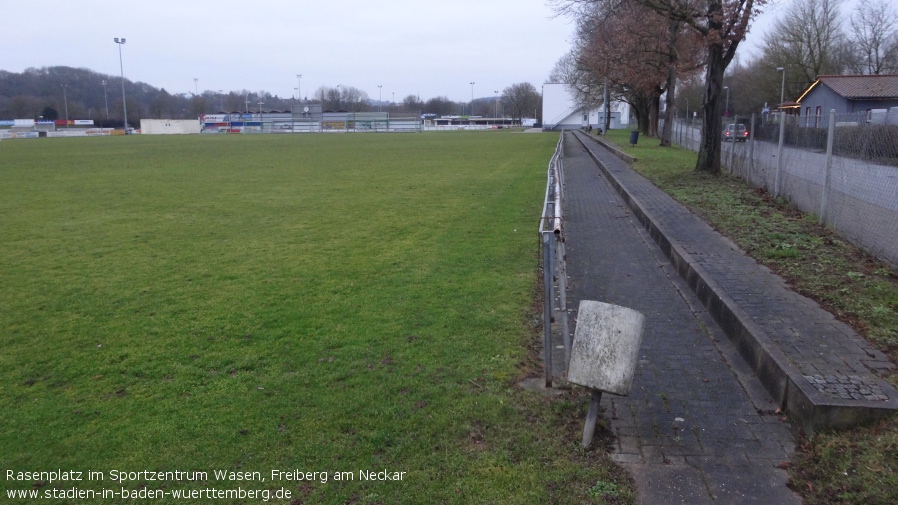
<point>636,51</point>
<point>411,103</point>
<point>353,98</point>
<point>873,39</point>
<point>721,25</point>
<point>565,69</point>
<point>520,99</point>
<point>341,98</point>
<point>586,86</point>
<point>440,105</point>
<point>807,42</point>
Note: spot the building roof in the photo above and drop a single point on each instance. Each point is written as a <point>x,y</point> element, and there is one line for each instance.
<point>861,87</point>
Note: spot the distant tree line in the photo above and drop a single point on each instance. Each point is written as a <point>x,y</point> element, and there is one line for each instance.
<point>77,93</point>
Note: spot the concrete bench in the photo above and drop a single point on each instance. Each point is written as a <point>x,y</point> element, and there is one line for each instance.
<point>604,353</point>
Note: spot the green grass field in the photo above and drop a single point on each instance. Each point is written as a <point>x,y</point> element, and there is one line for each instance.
<point>309,303</point>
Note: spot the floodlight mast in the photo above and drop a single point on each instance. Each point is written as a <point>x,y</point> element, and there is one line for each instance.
<point>106,99</point>
<point>120,43</point>
<point>472,98</point>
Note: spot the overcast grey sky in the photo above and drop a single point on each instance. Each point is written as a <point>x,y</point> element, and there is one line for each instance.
<point>410,47</point>
<point>421,47</point>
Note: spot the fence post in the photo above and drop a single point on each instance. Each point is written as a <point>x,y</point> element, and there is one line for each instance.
<point>751,148</point>
<point>733,147</point>
<point>548,272</point>
<point>779,157</point>
<point>829,165</point>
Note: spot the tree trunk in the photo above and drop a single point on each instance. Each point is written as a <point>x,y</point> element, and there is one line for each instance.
<point>643,116</point>
<point>654,113</point>
<point>667,130</point>
<point>673,28</point>
<point>607,105</point>
<point>712,124</point>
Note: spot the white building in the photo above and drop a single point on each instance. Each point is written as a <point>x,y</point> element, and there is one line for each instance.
<point>561,111</point>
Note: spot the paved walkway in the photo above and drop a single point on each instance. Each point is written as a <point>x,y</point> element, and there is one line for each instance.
<point>698,427</point>
<point>818,368</point>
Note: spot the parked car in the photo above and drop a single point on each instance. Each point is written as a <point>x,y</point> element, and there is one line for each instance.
<point>735,133</point>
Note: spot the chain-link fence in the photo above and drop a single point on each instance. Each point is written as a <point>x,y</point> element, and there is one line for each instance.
<point>841,168</point>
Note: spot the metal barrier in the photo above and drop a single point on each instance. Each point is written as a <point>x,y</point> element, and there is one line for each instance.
<point>551,230</point>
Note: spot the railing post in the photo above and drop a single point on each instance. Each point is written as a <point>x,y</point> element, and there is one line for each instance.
<point>562,298</point>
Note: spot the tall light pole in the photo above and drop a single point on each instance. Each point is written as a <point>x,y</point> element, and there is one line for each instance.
<point>726,110</point>
<point>299,87</point>
<point>472,98</point>
<point>106,99</point>
<point>782,85</point>
<point>380,97</point>
<point>497,103</point>
<point>221,99</point>
<point>196,86</point>
<point>261,126</point>
<point>120,43</point>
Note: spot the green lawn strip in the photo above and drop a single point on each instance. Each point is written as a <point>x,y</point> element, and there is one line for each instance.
<point>316,302</point>
<point>859,465</point>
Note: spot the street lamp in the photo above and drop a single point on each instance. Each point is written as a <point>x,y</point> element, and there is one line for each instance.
<point>726,111</point>
<point>380,97</point>
<point>782,85</point>
<point>299,87</point>
<point>120,43</point>
<point>497,104</point>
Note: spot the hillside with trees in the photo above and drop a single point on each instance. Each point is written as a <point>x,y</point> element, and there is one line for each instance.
<point>78,93</point>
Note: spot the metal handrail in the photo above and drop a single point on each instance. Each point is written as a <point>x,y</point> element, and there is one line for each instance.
<point>554,269</point>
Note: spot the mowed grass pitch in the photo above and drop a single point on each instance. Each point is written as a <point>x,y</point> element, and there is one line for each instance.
<point>329,303</point>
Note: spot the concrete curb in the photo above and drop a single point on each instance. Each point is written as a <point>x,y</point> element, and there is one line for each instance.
<point>614,150</point>
<point>782,379</point>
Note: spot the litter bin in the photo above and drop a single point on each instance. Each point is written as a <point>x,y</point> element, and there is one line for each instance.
<point>634,136</point>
